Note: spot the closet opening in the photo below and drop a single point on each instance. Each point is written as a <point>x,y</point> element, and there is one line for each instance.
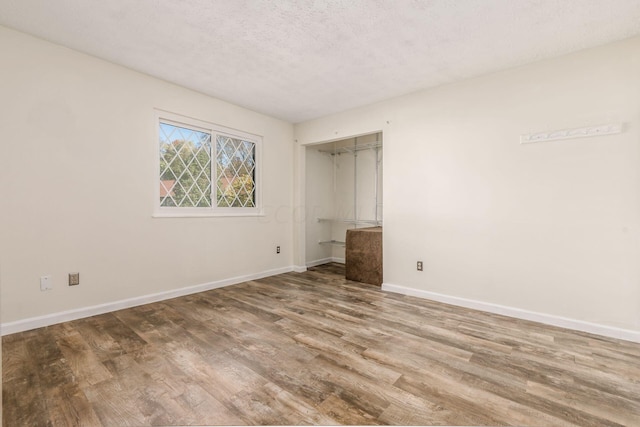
<point>344,206</point>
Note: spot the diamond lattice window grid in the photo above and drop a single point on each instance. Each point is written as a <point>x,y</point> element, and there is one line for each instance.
<point>235,172</point>
<point>185,167</point>
<point>205,169</point>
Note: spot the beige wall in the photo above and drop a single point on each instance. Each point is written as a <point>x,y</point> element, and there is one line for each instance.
<point>551,227</point>
<point>78,178</point>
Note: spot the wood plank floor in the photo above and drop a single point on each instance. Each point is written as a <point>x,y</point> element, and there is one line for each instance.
<point>314,348</point>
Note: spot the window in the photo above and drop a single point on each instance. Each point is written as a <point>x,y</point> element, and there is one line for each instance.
<point>205,169</point>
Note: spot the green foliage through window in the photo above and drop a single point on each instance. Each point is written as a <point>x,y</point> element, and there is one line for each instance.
<point>186,169</point>
<point>235,164</point>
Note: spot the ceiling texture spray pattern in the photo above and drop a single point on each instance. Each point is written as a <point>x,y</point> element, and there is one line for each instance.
<point>303,59</point>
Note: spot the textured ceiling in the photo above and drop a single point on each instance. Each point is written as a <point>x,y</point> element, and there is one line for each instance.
<point>302,59</point>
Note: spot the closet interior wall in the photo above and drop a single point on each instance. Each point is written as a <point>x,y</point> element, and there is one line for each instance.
<point>343,190</point>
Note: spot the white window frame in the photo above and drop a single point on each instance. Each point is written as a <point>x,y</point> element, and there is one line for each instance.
<point>213,129</point>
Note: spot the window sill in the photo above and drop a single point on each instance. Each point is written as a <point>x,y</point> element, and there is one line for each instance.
<point>206,215</point>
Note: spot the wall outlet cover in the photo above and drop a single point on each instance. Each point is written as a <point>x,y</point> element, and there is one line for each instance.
<point>74,279</point>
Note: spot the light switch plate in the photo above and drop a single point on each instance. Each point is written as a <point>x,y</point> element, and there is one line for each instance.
<point>46,283</point>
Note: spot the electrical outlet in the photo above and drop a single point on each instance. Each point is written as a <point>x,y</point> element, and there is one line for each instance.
<point>46,283</point>
<point>277,249</point>
<point>74,279</point>
<point>419,265</point>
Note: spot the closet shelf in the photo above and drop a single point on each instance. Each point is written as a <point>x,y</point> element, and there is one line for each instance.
<point>332,242</point>
<point>352,221</point>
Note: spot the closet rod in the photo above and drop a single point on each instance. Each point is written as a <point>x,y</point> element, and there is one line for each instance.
<point>360,147</point>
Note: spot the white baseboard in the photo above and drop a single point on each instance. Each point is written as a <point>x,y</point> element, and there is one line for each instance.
<point>299,268</point>
<point>549,319</point>
<point>318,262</point>
<point>65,316</point>
<point>325,261</point>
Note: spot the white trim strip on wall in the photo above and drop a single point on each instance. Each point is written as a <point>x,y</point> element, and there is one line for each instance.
<point>563,322</point>
<point>65,316</point>
<point>325,261</point>
<point>549,319</point>
<point>319,262</point>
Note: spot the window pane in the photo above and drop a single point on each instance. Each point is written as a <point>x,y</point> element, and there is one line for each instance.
<point>235,169</point>
<point>185,167</point>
